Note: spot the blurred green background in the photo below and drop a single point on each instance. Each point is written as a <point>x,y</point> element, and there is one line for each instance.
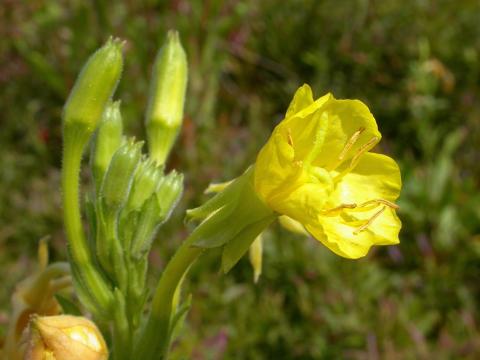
<point>415,63</point>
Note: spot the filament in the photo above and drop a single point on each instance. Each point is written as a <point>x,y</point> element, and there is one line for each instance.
<point>354,162</point>
<point>353,139</point>
<point>369,222</point>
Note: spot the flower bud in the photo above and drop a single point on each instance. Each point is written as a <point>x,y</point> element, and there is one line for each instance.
<point>145,182</point>
<point>107,141</point>
<point>118,179</point>
<point>168,193</point>
<point>64,337</point>
<point>155,211</point>
<point>167,95</point>
<point>94,87</point>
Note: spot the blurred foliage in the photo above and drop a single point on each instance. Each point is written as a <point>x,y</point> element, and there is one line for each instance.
<point>416,64</point>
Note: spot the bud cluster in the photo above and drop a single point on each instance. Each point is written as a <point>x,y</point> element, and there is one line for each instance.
<point>132,199</point>
<point>132,193</point>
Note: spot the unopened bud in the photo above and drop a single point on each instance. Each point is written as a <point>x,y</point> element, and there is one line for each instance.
<point>94,87</point>
<point>118,179</point>
<point>155,211</point>
<point>64,337</point>
<point>166,98</point>
<point>168,193</point>
<point>145,182</point>
<point>107,141</point>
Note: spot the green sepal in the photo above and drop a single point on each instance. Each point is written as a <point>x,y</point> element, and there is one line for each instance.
<point>233,210</point>
<point>227,196</point>
<point>217,229</point>
<point>239,245</point>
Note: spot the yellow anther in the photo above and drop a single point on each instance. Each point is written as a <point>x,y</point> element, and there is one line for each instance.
<point>369,222</point>
<point>339,208</point>
<point>289,138</point>
<point>380,201</point>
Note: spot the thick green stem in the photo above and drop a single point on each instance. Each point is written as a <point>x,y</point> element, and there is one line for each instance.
<point>75,139</point>
<point>154,338</point>
<point>122,335</point>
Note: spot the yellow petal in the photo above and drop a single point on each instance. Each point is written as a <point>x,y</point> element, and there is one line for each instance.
<point>279,162</point>
<point>274,166</point>
<point>340,237</point>
<point>345,118</point>
<point>303,98</point>
<point>300,131</point>
<point>376,176</point>
<point>304,198</point>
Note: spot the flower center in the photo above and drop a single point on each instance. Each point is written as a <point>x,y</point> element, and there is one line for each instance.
<point>369,205</point>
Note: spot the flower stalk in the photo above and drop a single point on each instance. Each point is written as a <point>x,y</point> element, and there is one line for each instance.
<point>155,336</point>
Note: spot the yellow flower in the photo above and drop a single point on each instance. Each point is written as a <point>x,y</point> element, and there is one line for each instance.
<point>316,168</point>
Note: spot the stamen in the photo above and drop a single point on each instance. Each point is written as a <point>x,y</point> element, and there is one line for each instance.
<point>339,208</point>
<point>364,148</point>
<point>354,162</point>
<point>369,222</point>
<point>380,201</point>
<point>353,139</point>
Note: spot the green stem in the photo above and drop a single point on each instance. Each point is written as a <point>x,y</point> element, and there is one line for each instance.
<point>122,337</point>
<point>75,139</point>
<point>154,339</point>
